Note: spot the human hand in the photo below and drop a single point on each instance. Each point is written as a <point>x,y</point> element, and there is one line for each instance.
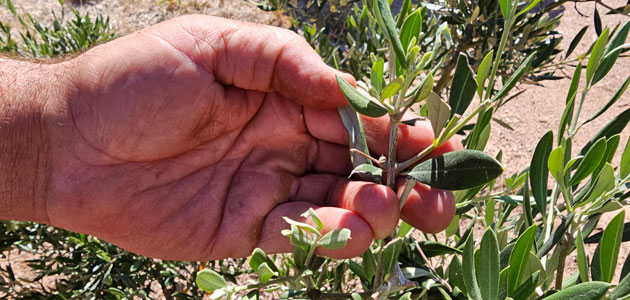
<point>189,140</point>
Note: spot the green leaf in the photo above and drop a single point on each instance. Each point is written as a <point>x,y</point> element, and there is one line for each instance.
<point>539,171</point>
<point>530,6</point>
<point>411,28</point>
<point>609,246</point>
<point>456,274</point>
<point>318,222</point>
<point>582,259</point>
<point>622,290</point>
<point>605,181</point>
<point>468,268</point>
<point>383,15</point>
<point>369,264</point>
<point>590,161</point>
<point>390,254</point>
<point>360,103</point>
<point>425,89</point>
<point>358,270</point>
<point>506,8</point>
<point>624,167</point>
<point>595,238</point>
<point>596,269</point>
<point>451,171</point>
<point>482,72</point>
<point>376,172</point>
<point>556,163</point>
<point>612,53</point>
<point>625,270</point>
<point>463,87</point>
<point>607,206</point>
<point>613,127</point>
<point>488,271</point>
<point>403,13</point>
<point>412,272</point>
<point>612,100</point>
<point>511,82</point>
<point>265,273</point>
<point>432,248</point>
<point>392,88</point>
<point>376,76</point>
<point>438,112</point>
<point>596,55</point>
<point>356,135</point>
<point>557,236</point>
<point>403,229</point>
<point>503,283</point>
<point>299,256</point>
<point>567,114</point>
<point>519,257</point>
<point>576,40</point>
<point>489,213</point>
<point>453,227</point>
<point>527,207</point>
<point>11,7</point>
<point>209,280</point>
<point>301,225</point>
<point>597,20</point>
<point>593,290</point>
<point>527,287</point>
<point>335,239</point>
<point>259,257</point>
<point>298,237</point>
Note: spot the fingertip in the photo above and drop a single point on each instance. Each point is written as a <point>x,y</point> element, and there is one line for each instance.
<point>361,235</point>
<point>428,209</point>
<point>375,203</point>
<point>300,74</point>
<point>272,241</point>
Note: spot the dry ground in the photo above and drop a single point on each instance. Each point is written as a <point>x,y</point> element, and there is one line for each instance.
<point>530,115</point>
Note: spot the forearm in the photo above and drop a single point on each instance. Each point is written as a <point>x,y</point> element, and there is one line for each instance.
<point>25,89</point>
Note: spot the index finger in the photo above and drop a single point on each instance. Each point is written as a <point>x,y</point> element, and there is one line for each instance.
<point>257,57</point>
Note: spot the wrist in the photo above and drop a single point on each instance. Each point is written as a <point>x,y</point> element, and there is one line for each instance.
<point>25,91</point>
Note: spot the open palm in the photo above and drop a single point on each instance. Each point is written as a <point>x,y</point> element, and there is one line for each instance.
<point>190,140</point>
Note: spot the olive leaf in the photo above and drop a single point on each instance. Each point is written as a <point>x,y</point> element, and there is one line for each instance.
<point>519,257</point>
<point>576,40</point>
<point>438,112</point>
<point>463,87</point>
<point>390,255</point>
<point>335,239</point>
<point>590,161</point>
<point>209,280</point>
<point>612,100</point>
<point>593,290</point>
<point>452,171</point>
<point>511,82</point>
<point>370,170</point>
<point>596,55</point>
<point>609,246</point>
<point>469,271</point>
<point>383,15</point>
<point>360,103</point>
<point>488,266</point>
<point>482,72</point>
<point>411,28</point>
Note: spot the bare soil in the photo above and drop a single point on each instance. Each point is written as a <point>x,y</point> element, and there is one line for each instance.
<point>533,113</point>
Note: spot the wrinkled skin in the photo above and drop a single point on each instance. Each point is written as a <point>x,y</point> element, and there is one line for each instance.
<point>189,140</point>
